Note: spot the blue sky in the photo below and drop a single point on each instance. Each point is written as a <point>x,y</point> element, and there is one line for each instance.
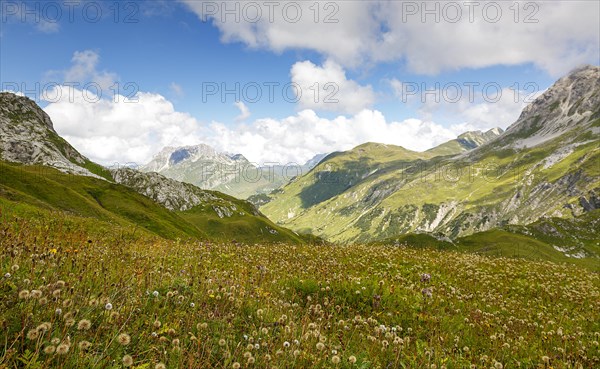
<point>373,60</point>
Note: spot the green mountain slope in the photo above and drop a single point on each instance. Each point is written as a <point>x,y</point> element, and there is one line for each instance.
<point>50,190</point>
<point>42,170</point>
<point>559,240</point>
<point>544,165</point>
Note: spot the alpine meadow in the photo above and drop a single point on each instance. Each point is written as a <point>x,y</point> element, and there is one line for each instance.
<point>299,184</point>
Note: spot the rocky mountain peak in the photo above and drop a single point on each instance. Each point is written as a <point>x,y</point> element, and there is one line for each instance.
<point>573,101</point>
<point>27,136</point>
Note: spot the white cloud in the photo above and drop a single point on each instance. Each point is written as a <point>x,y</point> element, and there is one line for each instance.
<point>124,131</point>
<point>244,111</point>
<point>468,107</point>
<point>327,88</point>
<point>84,69</point>
<point>176,89</point>
<point>565,33</point>
<point>121,132</point>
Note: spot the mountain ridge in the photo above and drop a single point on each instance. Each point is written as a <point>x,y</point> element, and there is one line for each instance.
<point>497,183</point>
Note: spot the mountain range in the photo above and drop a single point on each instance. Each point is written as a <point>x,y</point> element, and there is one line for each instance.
<point>545,165</point>
<point>536,185</point>
<point>232,174</point>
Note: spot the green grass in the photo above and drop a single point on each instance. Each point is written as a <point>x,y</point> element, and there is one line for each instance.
<point>226,305</point>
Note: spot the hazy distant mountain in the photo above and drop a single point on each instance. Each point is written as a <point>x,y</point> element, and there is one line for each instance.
<point>232,174</point>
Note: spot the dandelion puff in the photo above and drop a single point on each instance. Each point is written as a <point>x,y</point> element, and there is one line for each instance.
<point>55,341</point>
<point>84,345</point>
<point>62,349</point>
<point>36,294</point>
<point>24,294</point>
<point>157,324</point>
<point>236,365</point>
<point>498,365</point>
<point>160,366</point>
<point>155,294</point>
<point>14,268</point>
<point>335,359</point>
<point>108,306</point>
<point>124,339</point>
<point>352,359</point>
<point>49,350</point>
<point>33,334</point>
<point>7,275</point>
<point>286,344</point>
<point>127,360</point>
<point>545,359</point>
<point>84,325</point>
<point>44,327</point>
<point>222,342</point>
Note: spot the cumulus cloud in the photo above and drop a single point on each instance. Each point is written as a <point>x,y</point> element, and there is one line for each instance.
<point>120,130</point>
<point>123,130</point>
<point>327,88</point>
<point>83,70</point>
<point>429,37</point>
<point>471,109</point>
<point>244,111</point>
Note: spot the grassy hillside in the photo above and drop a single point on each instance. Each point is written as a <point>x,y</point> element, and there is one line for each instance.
<point>50,190</point>
<point>109,298</point>
<point>360,196</point>
<point>575,241</point>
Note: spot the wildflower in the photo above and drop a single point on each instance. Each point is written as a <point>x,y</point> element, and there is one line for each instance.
<point>427,292</point>
<point>84,325</point>
<point>49,350</point>
<point>35,294</point>
<point>425,277</point>
<point>62,349</point>
<point>24,294</point>
<point>335,359</point>
<point>84,345</point>
<point>127,360</point>
<point>124,339</point>
<point>108,306</point>
<point>44,327</point>
<point>33,334</point>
